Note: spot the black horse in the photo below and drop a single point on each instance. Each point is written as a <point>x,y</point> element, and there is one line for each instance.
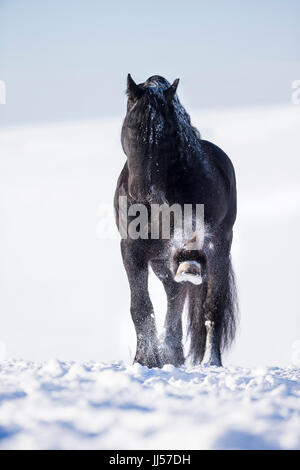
<point>169,163</point>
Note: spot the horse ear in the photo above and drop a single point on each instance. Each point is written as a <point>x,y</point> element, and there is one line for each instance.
<point>133,90</point>
<point>170,92</point>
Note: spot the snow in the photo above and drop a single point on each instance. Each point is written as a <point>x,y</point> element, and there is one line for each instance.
<point>71,405</point>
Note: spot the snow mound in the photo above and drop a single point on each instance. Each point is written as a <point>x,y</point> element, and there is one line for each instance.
<point>71,405</point>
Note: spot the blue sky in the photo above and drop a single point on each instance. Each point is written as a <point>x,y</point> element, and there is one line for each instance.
<point>69,59</point>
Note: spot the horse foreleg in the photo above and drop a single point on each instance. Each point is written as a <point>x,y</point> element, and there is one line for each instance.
<point>147,352</point>
<point>171,347</point>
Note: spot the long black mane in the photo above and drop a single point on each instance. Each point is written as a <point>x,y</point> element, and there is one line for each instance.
<point>161,129</point>
<point>158,119</point>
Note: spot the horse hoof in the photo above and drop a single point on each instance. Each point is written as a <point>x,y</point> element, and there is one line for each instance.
<point>189,271</point>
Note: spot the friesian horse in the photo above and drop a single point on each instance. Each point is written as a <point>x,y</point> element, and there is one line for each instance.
<point>169,163</point>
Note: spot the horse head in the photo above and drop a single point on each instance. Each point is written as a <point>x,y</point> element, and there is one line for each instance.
<point>147,134</point>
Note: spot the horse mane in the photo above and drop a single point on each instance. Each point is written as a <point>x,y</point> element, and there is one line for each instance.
<point>188,136</point>
<point>155,115</point>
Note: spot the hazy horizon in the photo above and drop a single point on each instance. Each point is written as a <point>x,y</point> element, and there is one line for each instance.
<point>69,60</point>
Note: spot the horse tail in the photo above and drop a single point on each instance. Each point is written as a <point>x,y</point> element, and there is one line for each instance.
<point>208,303</point>
<point>230,308</point>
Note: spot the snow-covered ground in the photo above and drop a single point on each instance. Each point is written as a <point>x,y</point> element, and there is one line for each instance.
<point>58,299</point>
<point>69,405</point>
